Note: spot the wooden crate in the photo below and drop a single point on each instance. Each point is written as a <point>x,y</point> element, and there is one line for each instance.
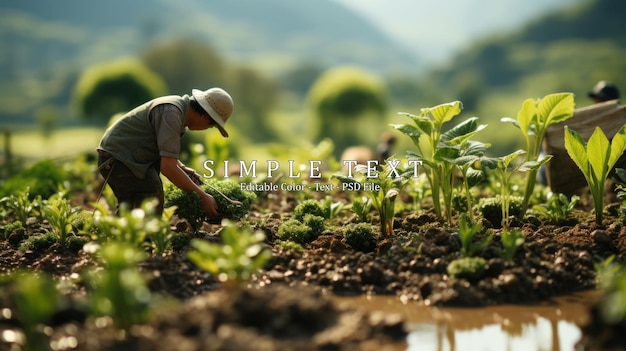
<point>562,173</point>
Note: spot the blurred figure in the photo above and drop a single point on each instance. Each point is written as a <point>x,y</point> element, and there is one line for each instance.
<point>362,154</point>
<point>604,91</point>
<point>384,150</point>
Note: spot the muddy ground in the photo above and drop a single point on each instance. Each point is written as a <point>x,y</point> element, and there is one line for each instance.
<point>286,305</point>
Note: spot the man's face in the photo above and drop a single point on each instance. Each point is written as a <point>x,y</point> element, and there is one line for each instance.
<point>201,123</point>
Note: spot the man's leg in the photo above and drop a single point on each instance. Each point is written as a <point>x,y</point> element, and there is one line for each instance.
<point>128,188</point>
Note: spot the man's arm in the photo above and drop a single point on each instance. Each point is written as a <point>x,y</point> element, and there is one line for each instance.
<point>171,170</point>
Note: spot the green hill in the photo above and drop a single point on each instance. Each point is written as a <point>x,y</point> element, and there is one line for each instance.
<point>46,44</point>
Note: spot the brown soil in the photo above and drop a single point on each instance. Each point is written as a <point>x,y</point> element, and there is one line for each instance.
<point>285,305</point>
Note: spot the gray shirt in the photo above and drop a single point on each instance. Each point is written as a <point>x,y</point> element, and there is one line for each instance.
<point>146,133</point>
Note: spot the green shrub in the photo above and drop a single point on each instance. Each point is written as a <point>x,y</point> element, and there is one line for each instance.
<point>11,227</point>
<point>296,231</point>
<point>234,192</point>
<point>309,206</point>
<point>288,245</point>
<point>44,178</point>
<point>39,243</point>
<point>467,268</point>
<point>179,241</point>
<point>315,223</point>
<point>360,237</point>
<point>188,204</point>
<point>491,208</point>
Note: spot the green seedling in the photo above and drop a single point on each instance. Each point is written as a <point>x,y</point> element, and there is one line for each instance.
<point>35,298</point>
<point>362,206</point>
<point>511,241</point>
<point>135,226</point>
<point>620,187</point>
<point>58,211</point>
<point>533,120</point>
<point>505,168</point>
<point>557,207</point>
<point>159,231</point>
<point>438,150</point>
<point>233,261</point>
<point>20,205</point>
<point>467,232</point>
<point>119,290</point>
<point>331,208</point>
<point>595,159</point>
<point>386,186</point>
<point>612,282</point>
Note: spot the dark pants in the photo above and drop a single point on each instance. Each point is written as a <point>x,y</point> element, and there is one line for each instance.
<point>127,187</point>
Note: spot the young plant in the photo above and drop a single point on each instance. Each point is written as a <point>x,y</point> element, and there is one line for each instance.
<point>471,153</point>
<point>120,291</point>
<point>361,206</point>
<point>331,209</point>
<point>20,205</point>
<point>511,241</point>
<point>557,207</point>
<point>36,299</point>
<point>438,149</point>
<point>234,261</point>
<point>505,168</point>
<point>533,120</point>
<point>467,232</point>
<point>385,187</point>
<point>58,211</point>
<point>595,159</point>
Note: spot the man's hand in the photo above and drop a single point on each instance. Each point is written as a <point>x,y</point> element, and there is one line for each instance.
<point>209,205</point>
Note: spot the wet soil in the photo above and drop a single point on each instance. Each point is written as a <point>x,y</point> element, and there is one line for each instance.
<point>287,304</point>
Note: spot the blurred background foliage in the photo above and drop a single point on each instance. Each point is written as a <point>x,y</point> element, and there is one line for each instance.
<point>300,72</point>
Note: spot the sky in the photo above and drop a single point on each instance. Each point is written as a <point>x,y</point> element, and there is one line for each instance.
<point>436,29</point>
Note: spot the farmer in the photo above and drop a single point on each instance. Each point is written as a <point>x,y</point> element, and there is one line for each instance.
<point>147,141</point>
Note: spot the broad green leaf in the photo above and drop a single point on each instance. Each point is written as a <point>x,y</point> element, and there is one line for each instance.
<point>534,165</point>
<point>599,148</point>
<point>577,150</point>
<point>463,131</point>
<point>618,145</point>
<point>526,115</point>
<point>474,176</point>
<point>475,148</point>
<point>445,112</point>
<point>407,129</point>
<point>555,108</point>
<point>424,125</point>
<point>506,160</point>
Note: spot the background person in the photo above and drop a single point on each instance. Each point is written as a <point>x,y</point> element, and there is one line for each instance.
<point>604,91</point>
<point>146,142</point>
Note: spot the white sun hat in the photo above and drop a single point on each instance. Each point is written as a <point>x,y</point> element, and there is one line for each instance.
<point>217,103</point>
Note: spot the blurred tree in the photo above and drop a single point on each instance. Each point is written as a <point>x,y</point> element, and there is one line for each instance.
<point>299,79</point>
<point>255,96</point>
<point>185,65</point>
<point>113,87</point>
<point>348,101</point>
<point>47,119</point>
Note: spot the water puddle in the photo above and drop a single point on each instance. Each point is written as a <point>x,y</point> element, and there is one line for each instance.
<point>549,326</point>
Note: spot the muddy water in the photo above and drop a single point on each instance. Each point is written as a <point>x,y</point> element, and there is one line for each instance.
<point>549,326</point>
